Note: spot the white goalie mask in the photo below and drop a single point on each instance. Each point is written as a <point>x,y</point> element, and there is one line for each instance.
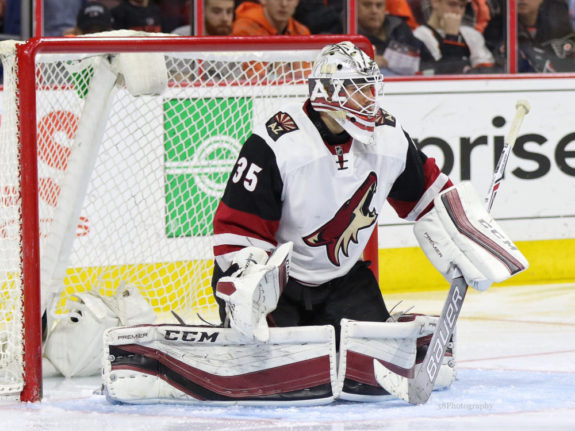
<point>347,83</point>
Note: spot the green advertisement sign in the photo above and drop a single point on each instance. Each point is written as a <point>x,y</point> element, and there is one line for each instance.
<point>202,139</point>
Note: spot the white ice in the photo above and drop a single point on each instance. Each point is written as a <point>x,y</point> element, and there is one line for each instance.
<point>516,371</point>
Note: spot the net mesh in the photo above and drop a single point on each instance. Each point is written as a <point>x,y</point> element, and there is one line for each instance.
<point>144,215</point>
<point>11,368</point>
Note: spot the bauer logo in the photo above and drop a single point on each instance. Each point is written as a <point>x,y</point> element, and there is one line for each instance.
<point>202,140</point>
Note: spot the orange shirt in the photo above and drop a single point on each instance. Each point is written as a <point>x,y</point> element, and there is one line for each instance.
<point>482,14</point>
<point>401,8</point>
<point>251,21</point>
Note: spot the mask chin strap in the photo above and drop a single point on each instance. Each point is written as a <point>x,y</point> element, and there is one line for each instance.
<point>361,134</point>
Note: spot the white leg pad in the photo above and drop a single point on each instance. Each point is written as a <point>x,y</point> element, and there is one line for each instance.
<point>193,364</point>
<point>391,345</point>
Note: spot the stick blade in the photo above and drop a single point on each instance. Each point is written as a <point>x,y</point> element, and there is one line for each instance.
<point>421,389</point>
<point>396,385</point>
<point>401,387</point>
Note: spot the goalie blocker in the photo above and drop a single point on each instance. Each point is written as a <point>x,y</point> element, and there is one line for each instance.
<point>297,365</point>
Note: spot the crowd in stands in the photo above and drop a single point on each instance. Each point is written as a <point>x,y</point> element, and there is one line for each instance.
<point>428,37</point>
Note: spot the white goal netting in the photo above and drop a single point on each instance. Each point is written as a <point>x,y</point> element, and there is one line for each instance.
<point>127,185</point>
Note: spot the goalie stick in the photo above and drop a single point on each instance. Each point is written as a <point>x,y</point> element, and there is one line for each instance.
<point>418,390</point>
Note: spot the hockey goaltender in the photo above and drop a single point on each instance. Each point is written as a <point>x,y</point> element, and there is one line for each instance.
<point>303,318</point>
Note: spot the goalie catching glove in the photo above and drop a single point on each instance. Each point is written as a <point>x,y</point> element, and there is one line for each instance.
<point>253,290</point>
<point>459,232</point>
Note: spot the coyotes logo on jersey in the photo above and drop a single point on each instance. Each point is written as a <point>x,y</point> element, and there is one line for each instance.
<point>384,118</point>
<point>279,125</point>
<point>343,228</point>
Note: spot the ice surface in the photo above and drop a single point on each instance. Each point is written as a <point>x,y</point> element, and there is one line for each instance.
<point>516,371</point>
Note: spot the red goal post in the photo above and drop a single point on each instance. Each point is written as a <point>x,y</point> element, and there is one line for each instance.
<point>99,187</point>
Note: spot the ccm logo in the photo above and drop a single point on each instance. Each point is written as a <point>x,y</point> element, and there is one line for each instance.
<point>191,336</point>
<point>497,234</point>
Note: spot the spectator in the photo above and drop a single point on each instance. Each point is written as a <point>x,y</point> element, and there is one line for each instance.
<point>572,12</point>
<point>546,42</point>
<point>139,15</point>
<point>495,32</point>
<point>174,14</point>
<point>60,16</point>
<point>271,17</point>
<point>12,18</point>
<point>110,4</point>
<point>2,14</point>
<point>94,17</point>
<point>326,16</point>
<point>454,47</point>
<point>218,19</point>
<point>402,9</point>
<point>477,12</point>
<point>397,50</point>
<point>319,17</point>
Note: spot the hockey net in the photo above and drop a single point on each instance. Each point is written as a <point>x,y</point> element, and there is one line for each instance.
<point>125,185</point>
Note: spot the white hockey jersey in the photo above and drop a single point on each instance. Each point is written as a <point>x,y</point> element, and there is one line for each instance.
<point>295,181</point>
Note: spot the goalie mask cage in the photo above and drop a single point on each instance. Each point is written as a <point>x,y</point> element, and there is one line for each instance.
<point>102,183</point>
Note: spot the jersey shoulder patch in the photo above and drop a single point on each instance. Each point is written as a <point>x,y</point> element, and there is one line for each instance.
<point>384,118</point>
<point>280,124</point>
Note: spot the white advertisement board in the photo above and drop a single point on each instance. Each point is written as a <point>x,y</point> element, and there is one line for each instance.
<point>461,123</point>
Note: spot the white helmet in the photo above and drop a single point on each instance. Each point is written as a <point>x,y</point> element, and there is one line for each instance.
<point>341,73</point>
